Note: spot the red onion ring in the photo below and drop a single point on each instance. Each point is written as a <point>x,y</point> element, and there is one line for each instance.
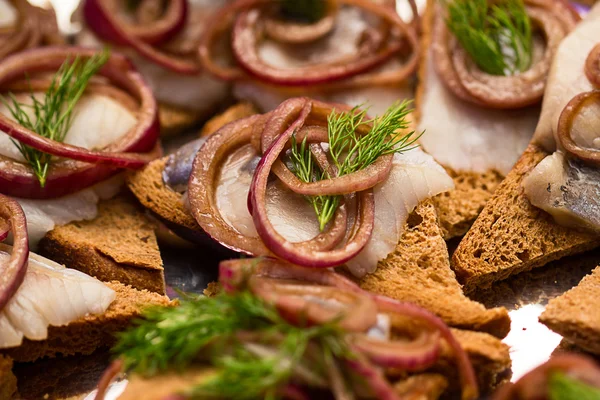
<point>293,32</point>
<point>409,356</point>
<point>115,368</point>
<point>4,229</point>
<point>257,202</point>
<point>381,388</point>
<point>467,374</point>
<point>565,123</point>
<point>592,66</point>
<point>106,25</point>
<point>244,42</point>
<point>13,272</point>
<point>133,150</point>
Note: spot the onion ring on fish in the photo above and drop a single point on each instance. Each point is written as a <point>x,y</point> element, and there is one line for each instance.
<point>565,124</point>
<point>4,229</point>
<point>13,272</point>
<point>109,375</point>
<point>592,66</point>
<point>34,27</point>
<point>246,16</point>
<point>463,78</point>
<point>295,281</point>
<point>100,17</point>
<point>83,167</point>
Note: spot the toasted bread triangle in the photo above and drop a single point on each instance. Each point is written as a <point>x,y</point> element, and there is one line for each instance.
<point>419,272</point>
<point>575,314</point>
<point>118,245</point>
<point>512,236</point>
<point>8,382</point>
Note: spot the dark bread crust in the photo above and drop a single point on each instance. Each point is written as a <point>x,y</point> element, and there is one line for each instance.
<point>118,245</point>
<point>419,272</point>
<point>8,382</point>
<point>89,333</point>
<point>458,208</point>
<point>511,235</point>
<point>575,314</point>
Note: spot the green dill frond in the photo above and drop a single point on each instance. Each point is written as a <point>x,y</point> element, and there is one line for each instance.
<point>52,116</point>
<point>497,36</point>
<point>563,387</point>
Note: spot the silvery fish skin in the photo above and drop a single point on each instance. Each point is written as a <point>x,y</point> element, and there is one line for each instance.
<point>51,295</point>
<point>567,189</point>
<point>179,165</point>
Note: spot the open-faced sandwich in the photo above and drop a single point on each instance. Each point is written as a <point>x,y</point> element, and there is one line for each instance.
<point>482,76</point>
<point>161,38</point>
<point>547,207</point>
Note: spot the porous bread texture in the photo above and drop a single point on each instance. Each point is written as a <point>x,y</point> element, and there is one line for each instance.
<point>457,208</point>
<point>91,332</point>
<point>511,236</point>
<point>418,271</point>
<point>8,382</point>
<point>148,186</point>
<point>118,245</point>
<point>421,387</point>
<point>575,314</point>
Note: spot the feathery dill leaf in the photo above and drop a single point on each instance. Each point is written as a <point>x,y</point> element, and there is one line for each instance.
<point>307,11</point>
<point>351,152</point>
<point>53,115</point>
<point>563,387</point>
<point>498,37</point>
<point>175,337</point>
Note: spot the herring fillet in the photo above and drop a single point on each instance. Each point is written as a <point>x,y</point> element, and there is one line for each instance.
<point>51,295</point>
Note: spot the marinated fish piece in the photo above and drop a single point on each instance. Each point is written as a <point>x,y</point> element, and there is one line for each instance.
<point>50,295</point>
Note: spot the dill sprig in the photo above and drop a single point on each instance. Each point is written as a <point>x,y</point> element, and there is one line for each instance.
<point>351,152</point>
<point>52,117</point>
<point>563,387</point>
<point>497,37</point>
<point>205,328</point>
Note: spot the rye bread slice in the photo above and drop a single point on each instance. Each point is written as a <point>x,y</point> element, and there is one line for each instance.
<point>575,314</point>
<point>511,236</point>
<point>426,386</point>
<point>8,382</point>
<point>91,332</point>
<point>419,272</point>
<point>458,208</point>
<point>118,245</point>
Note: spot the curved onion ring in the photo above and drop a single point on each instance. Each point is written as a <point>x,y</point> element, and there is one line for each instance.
<point>592,66</point>
<point>294,302</point>
<point>374,377</point>
<point>410,356</point>
<point>202,194</point>
<point>295,33</point>
<point>565,123</point>
<point>257,198</point>
<point>100,19</point>
<point>244,45</point>
<point>463,78</point>
<point>534,384</point>
<point>13,272</point>
<point>133,150</point>
<point>114,369</point>
<point>4,229</point>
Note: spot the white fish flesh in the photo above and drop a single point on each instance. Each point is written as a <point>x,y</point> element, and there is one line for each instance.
<point>98,120</point>
<point>466,137</point>
<point>343,41</point>
<point>566,188</point>
<point>415,176</point>
<point>8,14</point>
<point>51,295</point>
<point>567,78</point>
<point>200,93</point>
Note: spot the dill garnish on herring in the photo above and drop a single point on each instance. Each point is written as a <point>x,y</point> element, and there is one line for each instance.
<point>496,36</point>
<point>52,116</point>
<point>205,330</point>
<point>563,387</point>
<point>351,152</point>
